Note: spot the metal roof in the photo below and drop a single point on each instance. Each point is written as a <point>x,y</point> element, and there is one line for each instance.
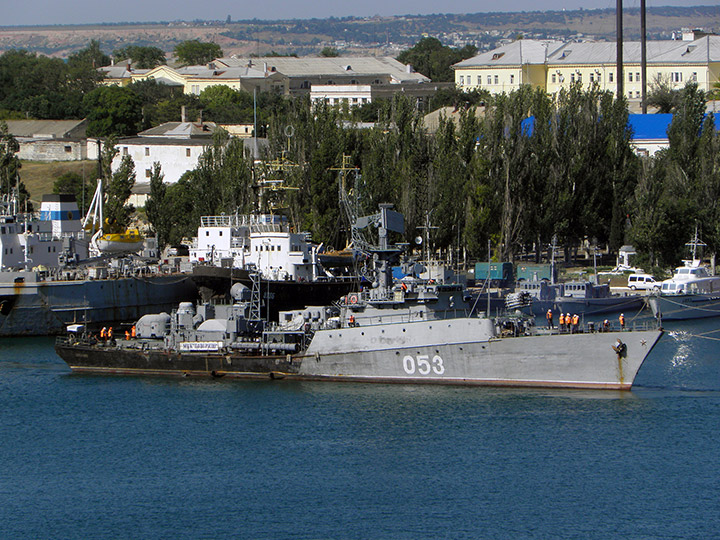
<point>50,129</point>
<point>523,51</point>
<point>181,130</point>
<point>325,67</point>
<point>527,51</point>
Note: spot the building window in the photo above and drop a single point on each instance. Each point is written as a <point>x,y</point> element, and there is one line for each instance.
<point>630,77</point>
<point>694,76</point>
<point>637,94</point>
<point>125,150</point>
<point>148,173</point>
<point>187,152</point>
<point>512,79</point>
<point>637,76</point>
<point>479,80</point>
<point>195,89</point>
<point>497,80</point>
<point>462,80</point>
<point>592,77</point>
<point>579,77</point>
<point>489,79</point>
<point>147,151</point>
<point>610,77</point>
<point>630,95</point>
<point>572,77</point>
<point>554,78</point>
<point>68,149</point>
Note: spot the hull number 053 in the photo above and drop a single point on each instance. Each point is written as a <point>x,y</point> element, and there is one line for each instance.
<point>423,365</point>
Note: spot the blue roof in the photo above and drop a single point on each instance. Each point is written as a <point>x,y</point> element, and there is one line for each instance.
<point>649,126</point>
<point>644,126</point>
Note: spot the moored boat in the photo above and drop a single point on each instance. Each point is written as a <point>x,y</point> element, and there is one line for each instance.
<point>424,334</point>
<point>411,331</point>
<point>691,293</point>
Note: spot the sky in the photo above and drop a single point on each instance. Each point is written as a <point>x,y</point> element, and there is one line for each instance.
<point>45,12</point>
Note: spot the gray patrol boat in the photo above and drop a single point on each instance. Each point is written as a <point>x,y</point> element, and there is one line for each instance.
<point>406,332</point>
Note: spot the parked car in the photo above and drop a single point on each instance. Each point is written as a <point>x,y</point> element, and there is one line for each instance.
<point>643,282</point>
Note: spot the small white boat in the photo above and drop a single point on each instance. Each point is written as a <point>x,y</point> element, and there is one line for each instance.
<point>691,293</point>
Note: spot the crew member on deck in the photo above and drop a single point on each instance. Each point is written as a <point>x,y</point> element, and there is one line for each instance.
<point>622,321</point>
<point>103,333</point>
<point>549,317</point>
<point>561,321</point>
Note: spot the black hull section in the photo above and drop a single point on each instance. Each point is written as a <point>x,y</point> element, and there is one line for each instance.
<point>123,360</point>
<point>214,282</point>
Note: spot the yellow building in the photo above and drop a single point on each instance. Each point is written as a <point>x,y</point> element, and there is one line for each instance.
<point>553,65</point>
<point>195,79</point>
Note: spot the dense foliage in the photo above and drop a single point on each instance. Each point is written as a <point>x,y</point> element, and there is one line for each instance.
<point>433,59</point>
<point>141,57</point>
<point>195,52</point>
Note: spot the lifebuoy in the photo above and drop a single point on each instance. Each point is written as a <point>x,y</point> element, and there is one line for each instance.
<point>353,298</point>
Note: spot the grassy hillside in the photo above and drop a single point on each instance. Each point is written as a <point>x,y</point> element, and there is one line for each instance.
<point>39,177</point>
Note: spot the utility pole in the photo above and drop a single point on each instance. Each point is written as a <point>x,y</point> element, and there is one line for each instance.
<point>643,55</point>
<point>619,30</point>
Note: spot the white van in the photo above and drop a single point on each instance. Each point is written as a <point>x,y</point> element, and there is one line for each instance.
<point>642,282</point>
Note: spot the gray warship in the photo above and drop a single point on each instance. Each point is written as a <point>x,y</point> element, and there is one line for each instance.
<point>47,280</point>
<point>411,331</point>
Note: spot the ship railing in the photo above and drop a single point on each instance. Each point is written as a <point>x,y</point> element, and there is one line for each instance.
<point>599,327</point>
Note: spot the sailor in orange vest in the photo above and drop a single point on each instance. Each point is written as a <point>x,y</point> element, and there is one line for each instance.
<point>576,322</point>
<point>109,333</point>
<point>568,322</point>
<point>127,335</point>
<point>561,321</point>
<point>352,320</point>
<point>549,317</point>
<point>103,333</point>
<point>132,332</point>
<point>622,321</point>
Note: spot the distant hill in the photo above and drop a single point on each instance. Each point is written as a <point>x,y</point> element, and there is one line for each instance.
<point>354,35</point>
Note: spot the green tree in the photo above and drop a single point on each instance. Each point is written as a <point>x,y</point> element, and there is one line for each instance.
<point>329,52</point>
<point>38,86</point>
<point>83,67</point>
<point>142,57</point>
<point>156,207</point>
<point>10,169</point>
<point>112,110</point>
<point>195,52</point>
<point>433,59</point>
<point>662,94</point>
<point>74,184</point>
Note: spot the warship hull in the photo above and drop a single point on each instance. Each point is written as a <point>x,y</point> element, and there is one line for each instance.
<point>458,351</point>
<point>680,307</point>
<point>46,307</point>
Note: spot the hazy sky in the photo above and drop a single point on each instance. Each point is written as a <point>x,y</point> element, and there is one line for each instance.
<point>30,12</point>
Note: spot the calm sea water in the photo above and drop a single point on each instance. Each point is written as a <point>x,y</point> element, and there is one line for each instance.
<point>131,457</point>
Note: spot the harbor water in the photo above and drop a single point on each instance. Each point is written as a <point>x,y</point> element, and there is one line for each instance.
<point>89,456</point>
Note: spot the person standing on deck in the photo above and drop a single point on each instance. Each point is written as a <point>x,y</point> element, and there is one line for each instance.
<point>549,317</point>
<point>622,321</point>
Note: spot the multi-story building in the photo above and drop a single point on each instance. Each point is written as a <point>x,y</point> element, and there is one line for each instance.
<point>553,65</point>
<point>195,79</point>
<point>306,72</point>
